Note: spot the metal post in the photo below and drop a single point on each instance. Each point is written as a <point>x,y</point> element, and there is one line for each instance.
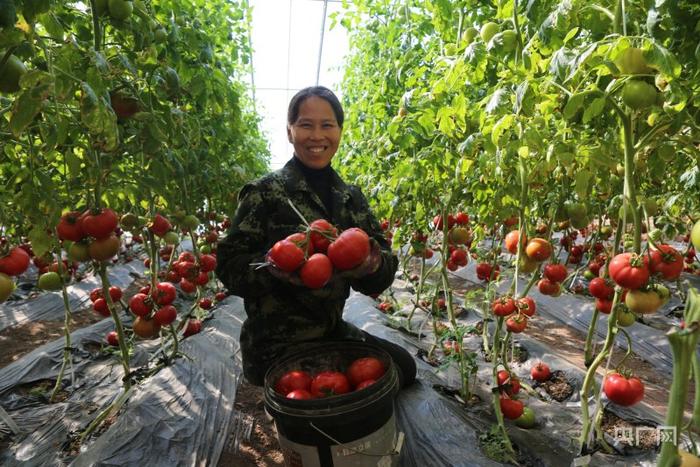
<point>320,46</point>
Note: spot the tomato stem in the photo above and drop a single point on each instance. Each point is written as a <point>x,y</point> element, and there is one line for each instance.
<point>67,351</point>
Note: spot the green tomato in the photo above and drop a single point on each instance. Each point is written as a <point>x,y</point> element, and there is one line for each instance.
<point>101,7</point>
<point>588,275</point>
<point>190,222</point>
<point>488,30</point>
<point>576,210</point>
<point>10,73</point>
<point>50,281</point>
<point>160,35</point>
<point>695,235</point>
<point>638,95</point>
<point>527,419</point>
<point>632,62</point>
<point>625,317</point>
<point>651,206</point>
<point>666,152</point>
<point>171,238</point>
<point>469,35</point>
<point>120,9</point>
<point>509,40</point>
<point>7,285</point>
<point>79,251</point>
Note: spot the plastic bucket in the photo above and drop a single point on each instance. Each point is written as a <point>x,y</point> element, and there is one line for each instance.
<point>354,429</point>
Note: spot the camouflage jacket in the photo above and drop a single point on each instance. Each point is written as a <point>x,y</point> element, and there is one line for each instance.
<point>280,314</point>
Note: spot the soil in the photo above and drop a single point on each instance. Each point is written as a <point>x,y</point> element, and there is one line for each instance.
<point>643,437</point>
<point>558,386</point>
<point>259,446</point>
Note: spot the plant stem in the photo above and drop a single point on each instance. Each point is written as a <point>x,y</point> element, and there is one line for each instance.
<point>67,351</point>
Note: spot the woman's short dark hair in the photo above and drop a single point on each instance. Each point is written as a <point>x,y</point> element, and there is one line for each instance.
<point>318,91</point>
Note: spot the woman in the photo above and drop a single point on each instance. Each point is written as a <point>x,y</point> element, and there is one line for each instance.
<point>280,312</point>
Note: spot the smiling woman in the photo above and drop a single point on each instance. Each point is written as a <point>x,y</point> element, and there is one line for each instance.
<point>281,311</point>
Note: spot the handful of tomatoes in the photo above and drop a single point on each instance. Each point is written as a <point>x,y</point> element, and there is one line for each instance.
<point>299,384</point>
<point>319,250</point>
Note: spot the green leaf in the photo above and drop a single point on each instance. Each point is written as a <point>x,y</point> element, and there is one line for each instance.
<point>25,109</point>
<point>52,25</point>
<point>581,183</point>
<point>594,109</point>
<point>40,240</point>
<point>574,104</point>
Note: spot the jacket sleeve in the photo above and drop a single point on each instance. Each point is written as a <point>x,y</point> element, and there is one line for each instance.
<point>244,244</point>
<point>383,277</point>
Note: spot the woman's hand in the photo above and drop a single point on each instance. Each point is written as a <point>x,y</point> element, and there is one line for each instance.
<point>289,277</point>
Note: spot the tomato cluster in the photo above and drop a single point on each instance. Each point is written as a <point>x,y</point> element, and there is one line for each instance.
<point>299,384</point>
<point>516,311</point>
<point>315,253</point>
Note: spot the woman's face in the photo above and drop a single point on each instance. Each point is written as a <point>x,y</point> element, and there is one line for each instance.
<point>315,134</point>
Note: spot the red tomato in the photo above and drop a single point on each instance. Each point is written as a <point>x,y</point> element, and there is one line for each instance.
<point>202,278</point>
<point>511,408</point>
<point>459,257</point>
<point>15,262</point>
<point>350,249</point>
<point>622,390</point>
<point>186,269</point>
<point>667,262</point>
<point>95,294</point>
<point>187,256</point>
<point>165,315</point>
<point>300,394</point>
<point>503,306</point>
<point>115,293</point>
<point>516,323</point>
<point>164,294</point>
<point>485,272</point>
<point>540,372</point>
<point>365,368</point>
<point>603,305</point>
<point>99,223</point>
<point>555,272</point>
<point>159,225</point>
<point>526,306</point>
<point>219,296</point>
<point>70,228</point>
<point>304,242</point>
<point>508,383</point>
<point>629,270</point>
<point>547,287</point>
<point>538,249</point>
<point>205,304</point>
<point>462,218</point>
<point>113,338</point>
<point>293,380</point>
<point>322,233</point>
<point>207,263</point>
<point>194,326</point>
<point>329,383</point>
<point>600,288</point>
<point>187,286</point>
<point>286,256</point>
<point>100,306</point>
<point>316,271</point>
<point>140,304</point>
<point>364,384</point>
<point>450,347</point>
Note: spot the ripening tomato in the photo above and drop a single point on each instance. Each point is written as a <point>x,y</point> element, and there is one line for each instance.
<point>329,383</point>
<point>555,272</point>
<point>511,408</point>
<point>667,262</point>
<point>316,271</point>
<point>322,234</point>
<point>7,286</point>
<point>145,328</point>
<point>526,305</point>
<point>643,302</point>
<point>365,368</point>
<point>511,241</point>
<point>540,372</point>
<point>508,383</point>
<point>629,270</point>
<point>15,262</point>
<point>104,248</point>
<point>503,306</point>
<point>600,288</point>
<point>293,380</point>
<point>622,390</point>
<point>286,256</point>
<point>538,249</point>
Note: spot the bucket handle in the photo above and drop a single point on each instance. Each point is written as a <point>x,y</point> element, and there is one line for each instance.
<point>394,452</point>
